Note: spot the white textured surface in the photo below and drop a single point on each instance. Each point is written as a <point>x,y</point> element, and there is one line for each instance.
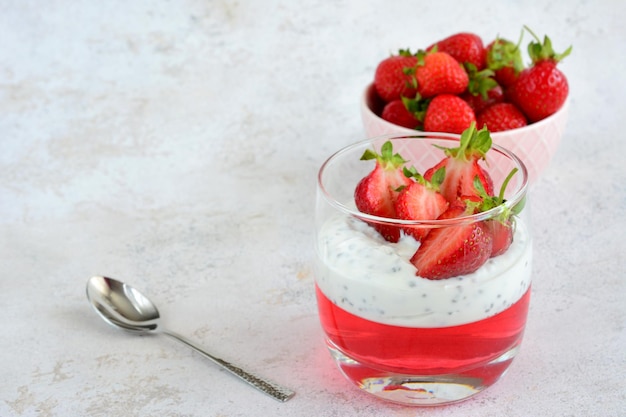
<point>174,144</point>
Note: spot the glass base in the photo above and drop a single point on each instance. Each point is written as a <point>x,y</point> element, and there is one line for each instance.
<point>422,390</point>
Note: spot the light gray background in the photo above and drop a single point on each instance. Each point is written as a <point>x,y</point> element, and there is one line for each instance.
<point>175,145</point>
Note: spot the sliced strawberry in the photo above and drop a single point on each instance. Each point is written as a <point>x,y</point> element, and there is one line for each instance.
<point>377,192</point>
<point>428,175</point>
<point>462,165</point>
<point>421,201</point>
<point>460,177</point>
<point>502,234</point>
<point>454,250</point>
<point>501,227</point>
<point>470,203</point>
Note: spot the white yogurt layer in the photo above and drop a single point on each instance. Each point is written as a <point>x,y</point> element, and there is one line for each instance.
<point>371,278</point>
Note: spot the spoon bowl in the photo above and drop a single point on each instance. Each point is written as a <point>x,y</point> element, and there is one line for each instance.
<point>121,305</point>
<point>124,307</point>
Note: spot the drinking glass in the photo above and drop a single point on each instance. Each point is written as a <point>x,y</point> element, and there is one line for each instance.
<point>399,336</point>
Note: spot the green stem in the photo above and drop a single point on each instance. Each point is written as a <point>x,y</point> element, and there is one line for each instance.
<point>505,183</point>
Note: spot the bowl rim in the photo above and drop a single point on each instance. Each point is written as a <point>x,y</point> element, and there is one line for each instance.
<point>370,90</point>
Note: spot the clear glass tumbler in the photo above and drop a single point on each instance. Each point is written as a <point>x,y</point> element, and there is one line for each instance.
<point>399,336</point>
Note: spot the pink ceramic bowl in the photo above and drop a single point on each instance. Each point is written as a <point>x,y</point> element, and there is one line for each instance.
<point>534,144</point>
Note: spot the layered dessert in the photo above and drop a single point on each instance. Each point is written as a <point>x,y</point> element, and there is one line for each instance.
<point>375,308</point>
<point>440,289</point>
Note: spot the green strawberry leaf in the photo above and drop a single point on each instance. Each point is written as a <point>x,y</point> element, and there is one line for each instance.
<point>438,176</point>
<point>416,106</point>
<point>489,202</point>
<point>539,51</point>
<point>387,159</point>
<point>480,82</point>
<point>368,155</point>
<point>435,181</point>
<point>517,209</point>
<point>504,53</point>
<point>473,143</point>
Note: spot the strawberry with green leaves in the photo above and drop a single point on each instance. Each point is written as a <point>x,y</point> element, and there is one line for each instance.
<point>482,90</point>
<point>479,102</point>
<point>377,192</point>
<point>504,58</point>
<point>421,200</point>
<point>541,89</point>
<point>395,76</point>
<point>501,227</point>
<point>456,250</point>
<point>462,165</point>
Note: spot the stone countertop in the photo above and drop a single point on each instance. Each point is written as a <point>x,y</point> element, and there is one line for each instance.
<point>175,145</point>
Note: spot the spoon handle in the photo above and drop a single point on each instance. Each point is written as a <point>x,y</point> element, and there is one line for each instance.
<point>270,388</point>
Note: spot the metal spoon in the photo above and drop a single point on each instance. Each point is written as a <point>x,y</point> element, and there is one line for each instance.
<point>122,306</point>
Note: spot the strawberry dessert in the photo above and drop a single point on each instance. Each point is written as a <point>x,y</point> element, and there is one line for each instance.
<point>423,280</point>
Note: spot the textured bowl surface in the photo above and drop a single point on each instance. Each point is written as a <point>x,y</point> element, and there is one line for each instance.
<point>534,144</point>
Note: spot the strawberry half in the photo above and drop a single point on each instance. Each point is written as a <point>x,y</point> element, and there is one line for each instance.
<point>421,201</point>
<point>377,192</point>
<point>462,165</point>
<point>502,234</point>
<point>455,250</point>
<point>501,227</point>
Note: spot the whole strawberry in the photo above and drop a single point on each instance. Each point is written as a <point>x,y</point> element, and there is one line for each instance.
<point>397,113</point>
<point>541,89</point>
<point>479,102</point>
<point>448,113</point>
<point>482,90</point>
<point>504,58</point>
<point>464,47</point>
<point>500,117</point>
<point>439,73</point>
<point>377,192</point>
<point>395,76</point>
